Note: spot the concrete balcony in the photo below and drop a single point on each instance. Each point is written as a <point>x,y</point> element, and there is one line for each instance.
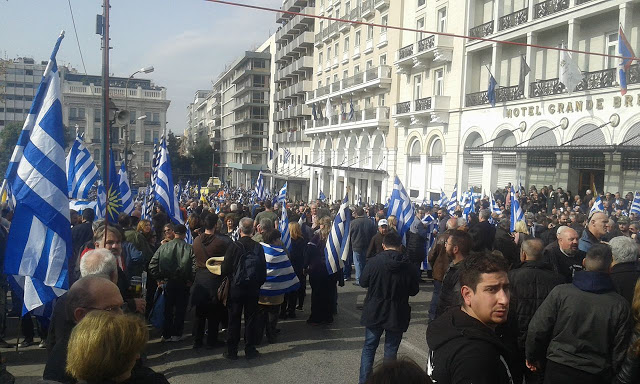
<point>303,64</point>
<point>381,5</point>
<point>368,46</point>
<point>356,52</point>
<point>295,25</point>
<point>300,110</point>
<point>241,104</point>
<point>420,55</point>
<point>318,40</point>
<point>289,137</point>
<point>367,9</point>
<point>296,46</point>
<point>369,81</point>
<point>248,133</point>
<point>370,117</point>
<point>243,73</point>
<point>250,118</point>
<point>333,30</point>
<point>295,90</point>
<point>422,111</point>
<point>248,87</point>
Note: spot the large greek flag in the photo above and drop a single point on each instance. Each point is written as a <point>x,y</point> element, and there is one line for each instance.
<point>125,190</point>
<point>147,207</point>
<point>337,248</point>
<point>164,192</point>
<point>282,195</point>
<point>281,277</point>
<point>285,235</point>
<point>39,242</point>
<point>260,195</point>
<point>157,147</point>
<point>494,206</point>
<point>635,205</point>
<point>400,207</point>
<point>82,172</point>
<point>451,206</point>
<point>516,211</point>
<point>597,206</point>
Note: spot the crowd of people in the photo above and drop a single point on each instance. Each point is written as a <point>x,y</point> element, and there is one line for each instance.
<point>553,298</point>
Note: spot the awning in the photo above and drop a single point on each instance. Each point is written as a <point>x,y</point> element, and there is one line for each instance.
<point>557,148</point>
<point>285,177</point>
<point>350,169</point>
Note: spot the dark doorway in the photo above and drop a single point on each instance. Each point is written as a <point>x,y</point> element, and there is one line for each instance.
<point>590,179</point>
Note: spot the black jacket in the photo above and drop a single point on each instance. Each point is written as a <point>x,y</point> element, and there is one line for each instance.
<point>630,370</point>
<point>562,264</point>
<point>390,279</point>
<point>504,243</point>
<point>464,351</point>
<point>450,293</point>
<point>482,235</point>
<point>228,267</point>
<point>530,285</point>
<point>361,230</point>
<point>624,278</point>
<point>205,286</point>
<point>584,325</point>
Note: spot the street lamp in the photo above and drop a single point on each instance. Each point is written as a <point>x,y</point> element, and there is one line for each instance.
<point>148,69</point>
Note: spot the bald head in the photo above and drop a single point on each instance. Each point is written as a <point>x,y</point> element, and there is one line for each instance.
<point>598,224</point>
<point>95,292</point>
<point>531,250</point>
<point>452,223</point>
<point>567,239</point>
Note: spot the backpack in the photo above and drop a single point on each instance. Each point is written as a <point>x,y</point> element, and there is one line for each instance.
<point>249,267</point>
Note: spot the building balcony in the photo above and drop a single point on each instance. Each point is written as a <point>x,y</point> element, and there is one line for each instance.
<point>247,148</point>
<point>252,102</point>
<point>482,30</point>
<point>362,82</point>
<point>295,25</point>
<point>592,80</point>
<point>367,8</point>
<point>327,66</point>
<point>424,110</point>
<point>382,41</point>
<point>250,118</point>
<point>325,34</point>
<point>335,62</point>
<point>333,30</point>
<point>381,5</point>
<point>344,27</point>
<point>243,73</point>
<point>318,40</point>
<point>296,46</point>
<point>319,69</point>
<point>513,19</point>
<point>248,133</point>
<point>300,110</point>
<point>356,52</point>
<point>549,7</point>
<point>294,90</point>
<point>419,55</point>
<point>248,87</point>
<point>151,123</point>
<point>288,137</point>
<point>303,64</point>
<point>370,117</point>
<point>503,94</point>
<point>368,46</point>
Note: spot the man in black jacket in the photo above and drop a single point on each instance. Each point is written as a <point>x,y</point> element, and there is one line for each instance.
<point>581,329</point>
<point>361,231</point>
<point>563,255</point>
<point>390,279</point>
<point>625,270</point>
<point>243,295</point>
<point>457,247</point>
<point>463,344</point>
<point>483,233</point>
<point>81,234</point>
<point>530,285</point>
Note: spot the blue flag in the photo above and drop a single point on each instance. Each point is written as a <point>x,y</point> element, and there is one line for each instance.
<point>491,93</point>
<point>285,235</point>
<point>164,190</point>
<point>114,198</point>
<point>82,172</point>
<point>337,247</point>
<point>400,206</point>
<point>281,278</point>
<point>39,241</point>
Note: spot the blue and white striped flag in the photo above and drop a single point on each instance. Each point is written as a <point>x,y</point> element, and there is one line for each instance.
<point>125,190</point>
<point>281,278</point>
<point>597,206</point>
<point>494,206</point>
<point>635,205</point>
<point>285,235</point>
<point>516,211</point>
<point>469,205</point>
<point>260,195</point>
<point>79,205</point>
<point>451,206</point>
<point>164,192</point>
<point>282,195</point>
<point>39,241</point>
<point>321,196</point>
<point>147,207</point>
<point>400,206</point>
<point>444,200</point>
<point>431,223</point>
<point>82,172</point>
<point>157,147</point>
<point>337,248</point>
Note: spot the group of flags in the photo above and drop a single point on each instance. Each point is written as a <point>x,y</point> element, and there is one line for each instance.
<point>316,111</point>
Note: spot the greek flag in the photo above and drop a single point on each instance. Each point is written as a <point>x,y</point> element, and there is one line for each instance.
<point>470,204</point>
<point>635,205</point>
<point>451,207</point>
<point>39,241</point>
<point>285,235</point>
<point>431,224</point>
<point>80,206</point>
<point>147,207</point>
<point>444,200</point>
<point>337,248</point>
<point>281,278</point>
<point>321,196</point>
<point>163,191</point>
<point>494,206</point>
<point>114,198</point>
<point>516,211</point>
<point>400,207</point>
<point>282,195</point>
<point>625,50</point>
<point>157,147</point>
<point>125,190</point>
<point>82,172</point>
<point>597,206</point>
<point>260,187</point>
<point>287,155</point>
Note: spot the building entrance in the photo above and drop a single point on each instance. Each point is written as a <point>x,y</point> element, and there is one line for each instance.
<point>590,179</point>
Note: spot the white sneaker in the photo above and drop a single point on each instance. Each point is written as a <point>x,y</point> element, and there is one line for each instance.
<point>165,339</point>
<point>175,338</point>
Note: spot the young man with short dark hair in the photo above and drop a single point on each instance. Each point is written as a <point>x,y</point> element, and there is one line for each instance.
<point>463,343</point>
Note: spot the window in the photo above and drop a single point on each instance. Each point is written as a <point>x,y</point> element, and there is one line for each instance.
<point>346,44</point>
<point>321,25</point>
<point>421,3</point>
<point>419,26</point>
<point>147,136</point>
<point>442,19</point>
<point>438,82</point>
<point>336,49</point>
<point>356,69</point>
<point>132,133</point>
<point>73,113</point>
<point>381,100</point>
<point>417,87</point>
<point>369,32</point>
<point>612,49</point>
<point>328,53</point>
<point>259,64</point>
<point>347,7</point>
<point>335,77</point>
<point>319,83</point>
<point>357,39</point>
<point>96,134</point>
<point>156,136</point>
<point>369,64</point>
<point>132,117</point>
<point>385,21</point>
<point>81,113</point>
<point>96,155</point>
<point>147,157</point>
<point>345,74</point>
<point>383,59</point>
<point>156,117</point>
<point>97,115</point>
<point>320,58</point>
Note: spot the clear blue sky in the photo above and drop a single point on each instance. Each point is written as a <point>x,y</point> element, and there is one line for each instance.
<point>187,41</point>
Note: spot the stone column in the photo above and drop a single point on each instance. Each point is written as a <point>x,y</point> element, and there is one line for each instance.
<point>613,172</point>
<point>313,181</point>
<point>423,178</point>
<point>562,169</point>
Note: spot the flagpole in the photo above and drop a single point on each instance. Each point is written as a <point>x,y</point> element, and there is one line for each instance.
<point>105,107</point>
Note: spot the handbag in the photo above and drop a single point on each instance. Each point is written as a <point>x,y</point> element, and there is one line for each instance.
<point>156,316</point>
<point>223,291</point>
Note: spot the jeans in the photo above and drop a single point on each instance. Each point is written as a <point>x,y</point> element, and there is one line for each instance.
<point>359,260</point>
<point>372,337</point>
<point>437,287</point>
<point>236,304</point>
<point>346,270</point>
<point>176,295</point>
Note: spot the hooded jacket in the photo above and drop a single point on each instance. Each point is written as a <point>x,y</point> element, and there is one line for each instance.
<point>584,325</point>
<point>463,350</point>
<point>390,279</point>
<point>450,292</point>
<point>205,286</point>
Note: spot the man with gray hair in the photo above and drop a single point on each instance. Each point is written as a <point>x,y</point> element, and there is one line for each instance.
<point>564,255</point>
<point>264,225</point>
<point>625,270</point>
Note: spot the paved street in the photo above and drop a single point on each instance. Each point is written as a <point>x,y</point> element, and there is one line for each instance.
<point>303,353</point>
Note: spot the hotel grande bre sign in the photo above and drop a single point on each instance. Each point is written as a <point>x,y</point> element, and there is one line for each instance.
<point>574,106</point>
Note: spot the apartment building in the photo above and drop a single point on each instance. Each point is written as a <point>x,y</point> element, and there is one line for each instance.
<point>19,81</point>
<point>538,132</point>
<point>293,79</point>
<point>196,128</point>
<point>353,139</point>
<point>147,105</point>
<point>242,94</point>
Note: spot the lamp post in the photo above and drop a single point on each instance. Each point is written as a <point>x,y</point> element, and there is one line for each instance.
<point>126,105</point>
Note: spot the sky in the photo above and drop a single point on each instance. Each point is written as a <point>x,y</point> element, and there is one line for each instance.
<point>188,42</point>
